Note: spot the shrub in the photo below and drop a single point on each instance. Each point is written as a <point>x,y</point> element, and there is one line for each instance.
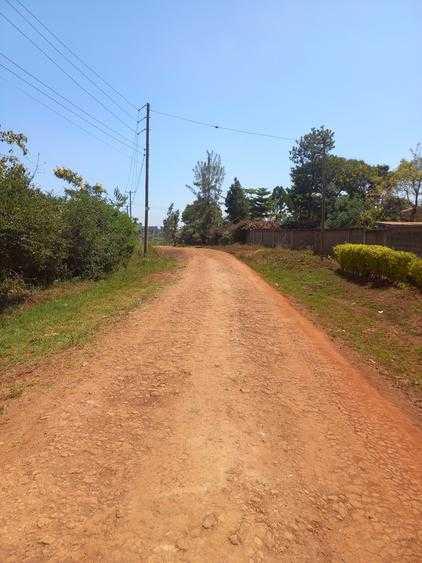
<point>100,236</point>
<point>374,261</point>
<point>44,237</point>
<point>415,272</point>
<point>12,290</point>
<point>32,242</point>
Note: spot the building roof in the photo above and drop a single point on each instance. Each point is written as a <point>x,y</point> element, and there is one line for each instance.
<point>406,224</point>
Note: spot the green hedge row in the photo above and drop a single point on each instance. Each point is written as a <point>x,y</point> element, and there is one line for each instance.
<point>379,262</point>
<point>45,237</point>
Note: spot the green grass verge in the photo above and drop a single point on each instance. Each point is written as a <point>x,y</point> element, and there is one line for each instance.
<point>383,324</point>
<point>69,313</point>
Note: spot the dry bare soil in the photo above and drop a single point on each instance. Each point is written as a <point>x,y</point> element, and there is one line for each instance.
<point>213,424</point>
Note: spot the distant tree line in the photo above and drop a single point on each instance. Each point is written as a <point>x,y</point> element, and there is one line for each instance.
<point>45,237</point>
<point>356,194</point>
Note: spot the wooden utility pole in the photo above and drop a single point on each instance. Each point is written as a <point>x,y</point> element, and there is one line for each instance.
<point>146,181</point>
<point>130,204</point>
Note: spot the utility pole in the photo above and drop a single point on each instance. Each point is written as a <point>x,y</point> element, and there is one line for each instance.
<point>146,182</point>
<point>130,204</point>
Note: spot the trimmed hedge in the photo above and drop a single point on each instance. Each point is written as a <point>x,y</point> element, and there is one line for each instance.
<point>415,272</point>
<point>374,261</point>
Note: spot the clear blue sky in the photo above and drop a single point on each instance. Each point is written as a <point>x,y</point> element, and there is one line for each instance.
<point>274,66</point>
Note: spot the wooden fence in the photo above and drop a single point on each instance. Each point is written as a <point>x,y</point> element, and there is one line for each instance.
<point>401,238</point>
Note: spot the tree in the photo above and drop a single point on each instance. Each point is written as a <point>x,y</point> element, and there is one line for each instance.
<point>279,203</point>
<point>208,177</point>
<point>171,224</point>
<point>101,237</point>
<point>237,207</point>
<point>259,203</point>
<point>77,182</point>
<point>203,216</point>
<point>119,199</point>
<point>12,138</point>
<point>309,174</point>
<point>408,179</point>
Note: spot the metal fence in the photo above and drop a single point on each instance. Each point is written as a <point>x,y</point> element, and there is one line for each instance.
<point>400,238</point>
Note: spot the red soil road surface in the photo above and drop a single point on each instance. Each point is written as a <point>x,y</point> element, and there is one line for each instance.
<point>214,424</point>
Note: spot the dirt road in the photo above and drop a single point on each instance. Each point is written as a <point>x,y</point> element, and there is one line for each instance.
<point>214,424</point>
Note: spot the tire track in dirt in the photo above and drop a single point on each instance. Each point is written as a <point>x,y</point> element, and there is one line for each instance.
<point>213,424</point>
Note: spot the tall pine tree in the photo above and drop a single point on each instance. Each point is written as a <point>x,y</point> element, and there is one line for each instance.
<point>237,207</point>
<point>259,203</point>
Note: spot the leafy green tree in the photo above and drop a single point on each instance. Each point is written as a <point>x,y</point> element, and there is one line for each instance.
<point>237,207</point>
<point>408,179</point>
<point>204,216</point>
<point>32,243</point>
<point>309,174</point>
<point>208,178</point>
<point>119,199</point>
<point>171,224</point>
<point>348,211</point>
<point>44,237</point>
<point>279,203</point>
<point>259,203</point>
<point>101,236</point>
<point>200,222</point>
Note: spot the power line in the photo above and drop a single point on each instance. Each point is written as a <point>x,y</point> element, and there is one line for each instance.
<point>34,27</point>
<point>75,55</point>
<point>138,181</point>
<point>66,108</point>
<point>66,118</point>
<point>133,161</point>
<point>64,71</point>
<point>214,126</point>
<point>63,97</point>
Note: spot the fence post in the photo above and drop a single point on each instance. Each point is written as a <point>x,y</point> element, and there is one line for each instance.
<point>385,238</point>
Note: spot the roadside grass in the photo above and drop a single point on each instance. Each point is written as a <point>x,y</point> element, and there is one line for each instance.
<point>383,323</point>
<point>69,313</point>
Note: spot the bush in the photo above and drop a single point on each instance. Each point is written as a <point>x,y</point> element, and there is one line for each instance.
<point>374,261</point>
<point>12,290</point>
<point>100,236</point>
<point>44,237</point>
<point>32,240</point>
<point>415,272</point>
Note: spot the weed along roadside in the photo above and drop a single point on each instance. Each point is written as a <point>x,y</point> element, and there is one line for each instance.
<point>71,313</point>
<point>382,322</point>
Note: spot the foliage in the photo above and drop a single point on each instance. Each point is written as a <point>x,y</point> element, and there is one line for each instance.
<point>374,261</point>
<point>309,174</point>
<point>415,272</point>
<point>356,193</point>
<point>208,177</point>
<point>13,138</point>
<point>279,203</point>
<point>237,206</point>
<point>200,220</point>
<point>408,179</point>
<point>44,237</point>
<point>202,217</point>
<point>259,203</point>
<point>353,211</point>
<point>32,242</point>
<point>101,237</point>
<point>171,224</point>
